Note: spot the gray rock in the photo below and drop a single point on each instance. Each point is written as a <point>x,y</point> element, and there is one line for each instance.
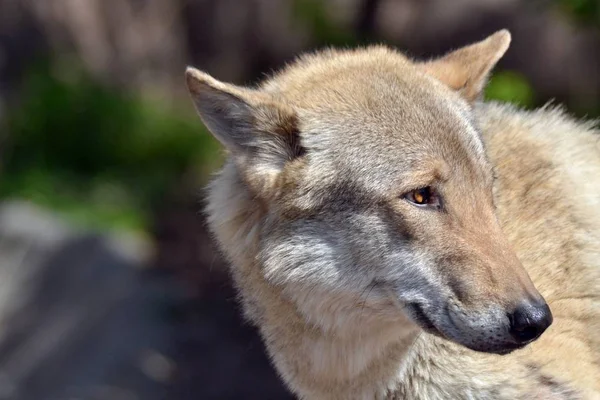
<point>79,318</point>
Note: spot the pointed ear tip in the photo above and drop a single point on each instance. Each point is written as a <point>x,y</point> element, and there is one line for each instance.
<point>191,72</point>
<point>195,79</point>
<point>503,37</point>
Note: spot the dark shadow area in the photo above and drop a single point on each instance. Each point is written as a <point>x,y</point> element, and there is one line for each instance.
<point>219,354</point>
<point>86,323</point>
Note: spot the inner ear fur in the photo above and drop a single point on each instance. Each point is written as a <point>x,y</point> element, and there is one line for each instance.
<point>259,132</point>
<point>466,70</point>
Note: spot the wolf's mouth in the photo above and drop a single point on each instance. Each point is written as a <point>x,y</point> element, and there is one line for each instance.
<point>418,315</point>
<point>415,311</point>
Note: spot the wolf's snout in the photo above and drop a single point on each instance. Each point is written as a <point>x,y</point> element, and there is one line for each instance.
<point>529,321</point>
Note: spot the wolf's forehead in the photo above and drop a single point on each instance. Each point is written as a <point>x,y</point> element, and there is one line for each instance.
<point>386,134</point>
<point>386,116</point>
<point>374,110</point>
<point>347,87</point>
<point>375,86</point>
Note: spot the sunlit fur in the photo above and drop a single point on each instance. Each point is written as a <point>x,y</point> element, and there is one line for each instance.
<point>327,255</point>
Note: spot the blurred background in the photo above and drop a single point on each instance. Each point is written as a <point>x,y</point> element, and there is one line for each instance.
<point>110,287</point>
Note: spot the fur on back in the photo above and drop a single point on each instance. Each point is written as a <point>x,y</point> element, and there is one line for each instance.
<point>325,344</point>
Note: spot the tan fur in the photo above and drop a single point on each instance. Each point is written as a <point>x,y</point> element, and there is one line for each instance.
<point>331,342</point>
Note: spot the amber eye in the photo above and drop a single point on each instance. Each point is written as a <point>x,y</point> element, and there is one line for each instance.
<point>421,196</point>
<point>425,196</point>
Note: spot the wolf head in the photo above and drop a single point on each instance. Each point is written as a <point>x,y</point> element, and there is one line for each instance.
<point>375,193</point>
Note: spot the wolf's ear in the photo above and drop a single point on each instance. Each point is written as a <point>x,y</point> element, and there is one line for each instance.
<point>466,69</point>
<point>259,133</point>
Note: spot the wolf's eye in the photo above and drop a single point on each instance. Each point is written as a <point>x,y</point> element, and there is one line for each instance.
<point>423,197</point>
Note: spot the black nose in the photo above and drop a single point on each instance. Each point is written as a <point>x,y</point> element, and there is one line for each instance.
<point>529,321</point>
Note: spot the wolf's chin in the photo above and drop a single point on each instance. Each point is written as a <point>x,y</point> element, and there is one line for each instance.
<point>501,351</point>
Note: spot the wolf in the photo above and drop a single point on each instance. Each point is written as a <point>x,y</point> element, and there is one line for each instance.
<point>394,236</point>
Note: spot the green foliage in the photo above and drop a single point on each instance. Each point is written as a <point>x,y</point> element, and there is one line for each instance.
<point>104,157</point>
<point>313,14</point>
<point>510,86</point>
<point>582,11</point>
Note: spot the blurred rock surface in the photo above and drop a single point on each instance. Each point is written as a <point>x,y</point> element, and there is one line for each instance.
<point>82,316</point>
<point>78,318</point>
